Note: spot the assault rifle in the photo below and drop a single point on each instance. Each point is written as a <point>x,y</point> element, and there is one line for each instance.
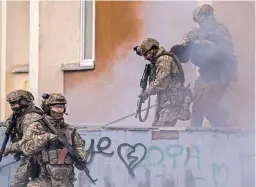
<point>11,125</point>
<point>68,149</point>
<point>143,85</point>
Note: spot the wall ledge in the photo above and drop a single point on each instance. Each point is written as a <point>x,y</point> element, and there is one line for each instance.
<point>24,68</point>
<point>76,67</point>
<point>180,129</point>
<point>20,68</point>
<point>186,129</point>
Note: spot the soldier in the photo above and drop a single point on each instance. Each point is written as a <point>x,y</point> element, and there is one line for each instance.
<point>24,113</point>
<point>56,167</point>
<point>211,49</point>
<point>209,29</point>
<point>166,81</point>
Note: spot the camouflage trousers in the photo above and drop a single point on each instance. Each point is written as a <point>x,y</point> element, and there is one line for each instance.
<point>54,176</point>
<point>169,106</point>
<point>21,176</point>
<point>207,97</point>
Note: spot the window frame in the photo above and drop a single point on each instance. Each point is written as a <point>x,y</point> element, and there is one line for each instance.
<point>85,62</point>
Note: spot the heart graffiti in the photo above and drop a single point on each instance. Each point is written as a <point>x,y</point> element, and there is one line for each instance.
<point>135,160</point>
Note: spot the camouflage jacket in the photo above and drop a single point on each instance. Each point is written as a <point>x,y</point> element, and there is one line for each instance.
<point>32,140</point>
<point>163,73</point>
<point>219,35</point>
<point>36,136</point>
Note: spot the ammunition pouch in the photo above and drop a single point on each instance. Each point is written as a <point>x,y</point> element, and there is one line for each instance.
<point>52,155</point>
<point>181,96</point>
<point>60,173</point>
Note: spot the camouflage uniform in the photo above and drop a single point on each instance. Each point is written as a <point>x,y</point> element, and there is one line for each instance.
<point>57,167</point>
<point>25,114</point>
<point>211,31</point>
<point>166,80</point>
<point>210,87</point>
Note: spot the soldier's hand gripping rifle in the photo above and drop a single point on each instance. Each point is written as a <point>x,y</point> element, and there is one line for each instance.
<point>11,125</point>
<point>69,149</point>
<point>143,85</point>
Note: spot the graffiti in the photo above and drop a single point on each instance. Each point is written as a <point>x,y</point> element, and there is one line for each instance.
<point>100,149</point>
<point>220,174</point>
<point>190,179</point>
<point>190,157</point>
<point>129,160</point>
<point>191,150</point>
<point>173,152</point>
<point>114,160</point>
<point>135,160</point>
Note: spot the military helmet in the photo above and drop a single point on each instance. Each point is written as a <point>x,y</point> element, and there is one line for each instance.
<point>18,95</point>
<point>56,98</point>
<point>202,12</point>
<point>146,45</point>
<point>52,99</point>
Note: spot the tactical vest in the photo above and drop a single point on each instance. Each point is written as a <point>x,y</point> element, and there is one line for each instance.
<point>177,78</point>
<point>53,154</point>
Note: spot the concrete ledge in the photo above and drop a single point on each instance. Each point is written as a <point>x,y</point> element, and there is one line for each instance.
<point>76,67</point>
<point>20,68</point>
<point>181,128</point>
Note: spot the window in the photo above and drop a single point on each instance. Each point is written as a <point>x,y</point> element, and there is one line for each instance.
<point>87,51</point>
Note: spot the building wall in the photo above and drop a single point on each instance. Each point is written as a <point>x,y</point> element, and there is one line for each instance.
<point>59,42</point>
<point>180,158</point>
<point>17,47</point>
<point>1,97</point>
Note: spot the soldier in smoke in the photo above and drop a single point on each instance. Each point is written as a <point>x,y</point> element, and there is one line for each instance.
<point>211,49</point>
<point>166,79</point>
